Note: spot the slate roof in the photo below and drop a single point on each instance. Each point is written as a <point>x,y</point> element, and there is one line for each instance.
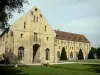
<point>70,36</point>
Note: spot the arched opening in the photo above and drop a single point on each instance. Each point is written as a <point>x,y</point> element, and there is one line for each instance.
<point>58,54</point>
<point>71,55</point>
<point>47,54</point>
<point>20,53</point>
<point>35,49</point>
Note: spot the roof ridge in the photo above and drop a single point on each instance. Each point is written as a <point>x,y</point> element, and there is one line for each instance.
<point>68,32</point>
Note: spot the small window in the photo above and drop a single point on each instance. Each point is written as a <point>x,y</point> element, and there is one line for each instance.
<point>36,9</point>
<point>35,37</point>
<point>11,33</point>
<point>24,25</point>
<point>47,38</point>
<point>59,47</point>
<point>37,19</point>
<point>21,35</point>
<point>34,18</point>
<point>56,35</point>
<point>45,28</point>
<point>69,37</point>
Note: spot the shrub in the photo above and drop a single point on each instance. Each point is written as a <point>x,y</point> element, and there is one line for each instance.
<point>63,54</point>
<point>98,53</point>
<point>91,55</point>
<point>80,55</point>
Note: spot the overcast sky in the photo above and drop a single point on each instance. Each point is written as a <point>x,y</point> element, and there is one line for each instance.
<point>76,16</point>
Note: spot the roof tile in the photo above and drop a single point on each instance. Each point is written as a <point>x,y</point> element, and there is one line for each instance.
<point>70,36</point>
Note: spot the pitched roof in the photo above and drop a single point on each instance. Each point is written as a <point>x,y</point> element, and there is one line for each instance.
<point>70,36</point>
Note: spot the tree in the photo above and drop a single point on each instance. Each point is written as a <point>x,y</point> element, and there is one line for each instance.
<point>63,54</point>
<point>98,53</point>
<point>80,55</point>
<point>6,9</point>
<point>91,53</point>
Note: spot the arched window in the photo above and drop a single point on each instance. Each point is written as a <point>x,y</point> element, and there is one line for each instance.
<point>20,53</point>
<point>47,54</point>
<point>58,54</point>
<point>37,19</point>
<point>71,55</point>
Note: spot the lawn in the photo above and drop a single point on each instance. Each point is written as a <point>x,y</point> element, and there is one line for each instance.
<point>64,69</point>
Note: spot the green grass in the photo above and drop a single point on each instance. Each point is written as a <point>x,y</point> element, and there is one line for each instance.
<point>64,69</point>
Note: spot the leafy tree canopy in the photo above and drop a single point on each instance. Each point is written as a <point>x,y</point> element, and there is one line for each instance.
<point>93,49</point>
<point>6,9</point>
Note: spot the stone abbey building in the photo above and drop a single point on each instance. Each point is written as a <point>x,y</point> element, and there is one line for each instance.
<point>32,40</point>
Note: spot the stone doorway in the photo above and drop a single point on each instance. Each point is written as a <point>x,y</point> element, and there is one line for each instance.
<point>36,53</point>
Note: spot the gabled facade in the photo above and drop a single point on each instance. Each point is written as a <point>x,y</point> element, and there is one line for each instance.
<point>30,39</point>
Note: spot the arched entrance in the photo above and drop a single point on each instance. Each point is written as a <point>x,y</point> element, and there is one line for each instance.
<point>36,52</point>
<point>20,53</point>
<point>47,53</point>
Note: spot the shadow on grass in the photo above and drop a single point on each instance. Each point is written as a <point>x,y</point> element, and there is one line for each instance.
<point>94,67</point>
<point>4,70</point>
